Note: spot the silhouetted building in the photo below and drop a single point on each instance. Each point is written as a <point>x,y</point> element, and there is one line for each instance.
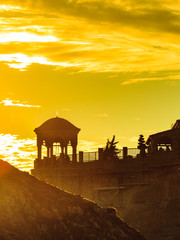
<point>60,133</point>
<point>143,189</point>
<point>165,141</point>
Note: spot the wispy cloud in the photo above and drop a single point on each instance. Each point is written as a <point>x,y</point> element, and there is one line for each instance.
<point>17,103</point>
<point>4,7</point>
<point>133,139</point>
<point>25,37</point>
<point>158,16</point>
<point>89,146</point>
<point>65,109</point>
<point>18,152</point>
<point>92,36</point>
<point>138,80</point>
<point>101,115</point>
<point>21,61</point>
<point>137,118</point>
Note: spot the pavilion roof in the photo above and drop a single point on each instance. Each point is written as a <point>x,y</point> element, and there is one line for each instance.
<point>57,127</point>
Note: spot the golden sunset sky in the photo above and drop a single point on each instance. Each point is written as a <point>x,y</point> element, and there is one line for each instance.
<point>109,67</point>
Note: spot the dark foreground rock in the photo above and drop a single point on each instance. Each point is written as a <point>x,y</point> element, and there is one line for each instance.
<point>33,210</point>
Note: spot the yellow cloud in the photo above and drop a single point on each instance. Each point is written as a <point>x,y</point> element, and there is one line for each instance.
<point>21,61</point>
<point>88,146</point>
<point>137,80</point>
<point>115,39</point>
<point>15,151</point>
<point>101,115</point>
<point>4,7</point>
<point>9,102</point>
<point>25,37</point>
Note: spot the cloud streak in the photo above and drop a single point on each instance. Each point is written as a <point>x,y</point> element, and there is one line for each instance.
<point>101,115</point>
<point>143,79</point>
<point>17,103</point>
<point>22,61</point>
<point>25,37</point>
<point>91,36</point>
<point>148,16</point>
<point>18,152</point>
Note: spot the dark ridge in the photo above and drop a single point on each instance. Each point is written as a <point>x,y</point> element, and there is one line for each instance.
<point>33,210</point>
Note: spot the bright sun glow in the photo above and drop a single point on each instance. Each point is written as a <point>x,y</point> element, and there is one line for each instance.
<point>25,37</point>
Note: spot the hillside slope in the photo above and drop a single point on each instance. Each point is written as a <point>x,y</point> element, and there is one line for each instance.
<point>33,210</point>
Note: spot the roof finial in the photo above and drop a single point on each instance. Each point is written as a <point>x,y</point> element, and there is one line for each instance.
<point>57,114</point>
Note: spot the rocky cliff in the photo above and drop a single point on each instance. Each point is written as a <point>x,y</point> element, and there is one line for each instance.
<point>33,210</point>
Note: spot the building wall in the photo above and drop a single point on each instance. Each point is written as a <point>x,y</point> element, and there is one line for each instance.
<point>145,192</point>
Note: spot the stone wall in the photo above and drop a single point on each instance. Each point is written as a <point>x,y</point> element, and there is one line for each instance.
<point>145,192</point>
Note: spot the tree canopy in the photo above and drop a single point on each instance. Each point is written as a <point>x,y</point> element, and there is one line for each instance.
<point>111,150</point>
<point>142,145</point>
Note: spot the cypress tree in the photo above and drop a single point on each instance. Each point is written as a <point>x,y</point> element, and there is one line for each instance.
<point>142,145</point>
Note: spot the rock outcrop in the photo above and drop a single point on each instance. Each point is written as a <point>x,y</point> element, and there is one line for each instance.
<point>33,210</point>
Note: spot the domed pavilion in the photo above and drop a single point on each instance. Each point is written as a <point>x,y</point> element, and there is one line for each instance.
<point>60,132</point>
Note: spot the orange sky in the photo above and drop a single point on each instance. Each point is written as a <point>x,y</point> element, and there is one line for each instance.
<point>109,67</point>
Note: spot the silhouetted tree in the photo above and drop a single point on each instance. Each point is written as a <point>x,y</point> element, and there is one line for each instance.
<point>111,150</point>
<point>142,146</point>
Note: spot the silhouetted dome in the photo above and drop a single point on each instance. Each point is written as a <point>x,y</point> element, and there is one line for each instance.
<point>57,124</point>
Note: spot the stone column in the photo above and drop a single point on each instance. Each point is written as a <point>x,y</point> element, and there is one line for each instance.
<point>62,150</point>
<point>81,156</point>
<point>51,151</point>
<point>74,156</point>
<point>48,152</point>
<point>100,153</point>
<point>39,151</point>
<point>66,152</point>
<point>39,147</point>
<point>125,152</point>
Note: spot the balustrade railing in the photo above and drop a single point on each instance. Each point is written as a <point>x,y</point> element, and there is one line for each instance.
<point>157,158</point>
<point>87,156</point>
<point>134,152</point>
<point>93,156</point>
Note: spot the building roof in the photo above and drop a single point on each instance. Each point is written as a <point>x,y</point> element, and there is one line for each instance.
<point>57,124</point>
<point>177,124</point>
<point>57,127</point>
<point>174,131</point>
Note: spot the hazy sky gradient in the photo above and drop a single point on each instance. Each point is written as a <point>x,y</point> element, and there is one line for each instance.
<point>109,67</point>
